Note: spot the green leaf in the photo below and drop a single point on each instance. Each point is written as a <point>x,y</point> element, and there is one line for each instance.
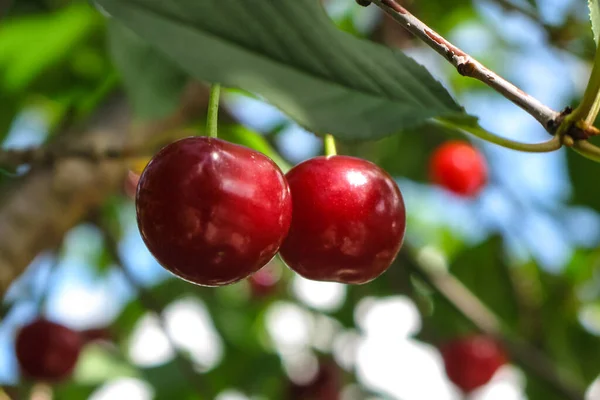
<point>244,136</point>
<point>396,154</point>
<point>98,364</point>
<point>484,271</point>
<point>594,6</point>
<point>293,55</point>
<point>153,83</point>
<point>73,391</point>
<point>30,45</point>
<point>580,170</point>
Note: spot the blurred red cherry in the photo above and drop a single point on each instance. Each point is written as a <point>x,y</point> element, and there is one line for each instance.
<point>458,167</point>
<point>471,362</point>
<point>326,385</point>
<point>47,351</point>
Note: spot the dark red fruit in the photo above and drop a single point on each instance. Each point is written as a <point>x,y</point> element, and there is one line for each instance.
<point>459,167</point>
<point>348,220</point>
<point>472,361</point>
<point>326,385</point>
<point>47,351</point>
<point>212,212</point>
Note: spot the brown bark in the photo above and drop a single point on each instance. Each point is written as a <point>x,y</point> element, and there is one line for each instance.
<point>38,210</point>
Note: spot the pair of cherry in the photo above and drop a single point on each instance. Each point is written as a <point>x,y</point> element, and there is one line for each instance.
<point>213,212</point>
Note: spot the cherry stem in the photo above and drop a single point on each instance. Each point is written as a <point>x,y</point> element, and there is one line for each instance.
<point>213,110</point>
<point>543,147</point>
<point>329,142</point>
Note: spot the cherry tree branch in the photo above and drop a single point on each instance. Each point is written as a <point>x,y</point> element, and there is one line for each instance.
<point>571,132</point>
<point>13,158</point>
<point>467,65</point>
<point>39,209</point>
<point>482,318</point>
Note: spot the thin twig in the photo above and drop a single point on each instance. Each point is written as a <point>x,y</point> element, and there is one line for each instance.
<point>13,158</point>
<point>470,307</point>
<point>151,304</point>
<point>467,65</point>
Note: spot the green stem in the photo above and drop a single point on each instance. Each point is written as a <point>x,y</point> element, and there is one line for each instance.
<point>588,108</point>
<point>544,147</point>
<point>587,150</point>
<point>212,116</point>
<point>330,149</point>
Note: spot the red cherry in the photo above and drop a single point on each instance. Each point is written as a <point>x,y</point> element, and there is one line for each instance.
<point>348,220</point>
<point>459,167</point>
<point>472,361</point>
<point>47,351</point>
<point>212,212</point>
<point>326,385</point>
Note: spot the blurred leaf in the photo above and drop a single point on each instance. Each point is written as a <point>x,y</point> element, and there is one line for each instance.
<point>98,363</point>
<point>445,15</point>
<point>153,82</point>
<point>73,391</point>
<point>564,339</point>
<point>245,136</point>
<point>580,171</point>
<point>31,44</point>
<point>396,154</point>
<point>170,382</point>
<point>594,6</point>
<point>484,271</point>
<point>291,53</point>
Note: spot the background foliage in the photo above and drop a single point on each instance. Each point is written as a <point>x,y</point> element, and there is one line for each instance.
<point>527,247</point>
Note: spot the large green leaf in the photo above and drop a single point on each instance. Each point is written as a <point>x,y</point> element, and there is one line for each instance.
<point>153,83</point>
<point>293,55</point>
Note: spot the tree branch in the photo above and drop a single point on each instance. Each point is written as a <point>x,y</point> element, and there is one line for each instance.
<point>14,158</point>
<point>467,65</point>
<point>471,308</point>
<point>38,210</point>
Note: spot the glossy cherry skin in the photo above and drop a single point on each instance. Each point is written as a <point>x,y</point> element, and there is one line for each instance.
<point>459,167</point>
<point>212,212</point>
<point>47,351</point>
<point>472,361</point>
<point>348,220</point>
